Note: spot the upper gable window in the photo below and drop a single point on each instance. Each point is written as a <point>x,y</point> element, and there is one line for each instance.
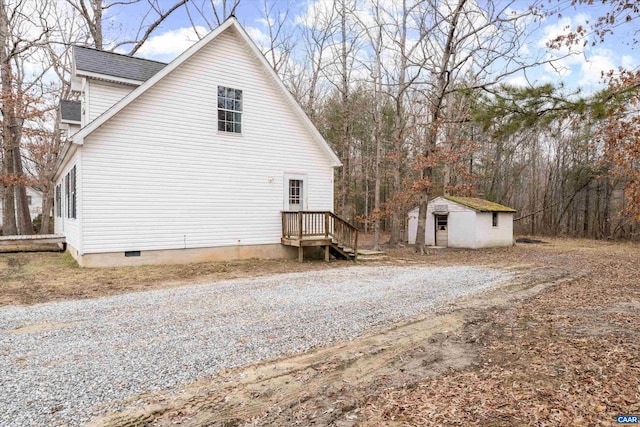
<point>229,109</point>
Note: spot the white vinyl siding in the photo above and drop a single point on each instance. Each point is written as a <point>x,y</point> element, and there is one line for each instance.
<point>103,95</point>
<point>70,227</point>
<point>72,129</point>
<point>159,175</point>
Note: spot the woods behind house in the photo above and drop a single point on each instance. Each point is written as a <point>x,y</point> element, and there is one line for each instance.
<point>416,97</point>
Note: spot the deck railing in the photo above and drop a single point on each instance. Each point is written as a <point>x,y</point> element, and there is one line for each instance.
<point>319,224</point>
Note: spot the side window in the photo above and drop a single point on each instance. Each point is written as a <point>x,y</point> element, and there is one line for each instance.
<point>66,195</point>
<point>229,110</point>
<point>73,192</point>
<point>70,193</point>
<point>494,219</point>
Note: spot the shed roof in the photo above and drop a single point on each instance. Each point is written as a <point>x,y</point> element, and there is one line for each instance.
<point>480,205</point>
<point>115,64</point>
<point>70,111</point>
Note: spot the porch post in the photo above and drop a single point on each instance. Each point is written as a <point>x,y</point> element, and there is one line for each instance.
<point>326,225</point>
<point>300,226</point>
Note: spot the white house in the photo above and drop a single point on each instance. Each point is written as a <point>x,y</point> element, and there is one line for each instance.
<point>34,199</point>
<point>464,222</point>
<point>188,161</point>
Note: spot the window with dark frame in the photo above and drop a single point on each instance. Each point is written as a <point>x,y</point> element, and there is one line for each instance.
<point>70,193</point>
<point>229,110</point>
<point>73,193</point>
<point>494,219</point>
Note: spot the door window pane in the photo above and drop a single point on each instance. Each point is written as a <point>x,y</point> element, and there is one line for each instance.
<point>295,191</point>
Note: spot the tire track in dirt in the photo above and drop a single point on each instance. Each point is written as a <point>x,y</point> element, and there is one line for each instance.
<point>327,386</point>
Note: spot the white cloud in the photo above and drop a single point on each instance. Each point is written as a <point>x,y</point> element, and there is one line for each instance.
<point>578,65</point>
<point>628,62</point>
<point>518,81</point>
<point>593,67</point>
<point>565,58</point>
<point>316,14</point>
<point>170,44</point>
<point>258,36</point>
<point>563,26</point>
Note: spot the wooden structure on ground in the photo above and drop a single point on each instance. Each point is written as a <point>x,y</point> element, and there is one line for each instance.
<point>32,243</point>
<point>320,228</point>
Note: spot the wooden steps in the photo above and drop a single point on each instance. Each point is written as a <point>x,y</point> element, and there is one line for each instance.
<point>343,252</point>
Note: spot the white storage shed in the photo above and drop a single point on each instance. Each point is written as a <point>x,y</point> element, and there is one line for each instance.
<point>464,222</point>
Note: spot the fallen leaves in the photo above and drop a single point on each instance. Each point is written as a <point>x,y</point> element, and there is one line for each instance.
<point>567,357</point>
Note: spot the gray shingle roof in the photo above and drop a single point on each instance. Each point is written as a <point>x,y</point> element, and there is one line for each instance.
<point>70,110</point>
<point>115,64</point>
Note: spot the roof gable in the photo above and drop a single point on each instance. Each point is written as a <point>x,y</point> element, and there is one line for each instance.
<point>88,60</point>
<point>480,205</point>
<point>78,138</point>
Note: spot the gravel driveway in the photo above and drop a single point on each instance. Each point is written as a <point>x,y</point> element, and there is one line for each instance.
<point>62,363</point>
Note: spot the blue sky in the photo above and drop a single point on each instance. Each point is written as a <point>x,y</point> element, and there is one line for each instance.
<point>582,69</point>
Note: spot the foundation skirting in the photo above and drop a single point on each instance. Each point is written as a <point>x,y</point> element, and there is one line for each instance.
<point>184,256</point>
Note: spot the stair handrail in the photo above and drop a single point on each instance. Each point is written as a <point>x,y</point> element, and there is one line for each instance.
<point>338,229</point>
<point>351,239</point>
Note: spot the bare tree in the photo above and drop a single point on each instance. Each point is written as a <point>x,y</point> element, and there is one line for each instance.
<point>316,35</point>
<point>211,12</point>
<point>374,33</point>
<point>280,42</point>
<point>21,31</point>
<point>344,52</point>
<point>410,62</point>
<point>93,13</point>
<point>469,48</point>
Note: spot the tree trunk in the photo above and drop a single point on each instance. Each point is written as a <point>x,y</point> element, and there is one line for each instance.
<point>442,82</point>
<point>9,226</point>
<point>346,137</point>
<point>606,216</point>
<point>25,226</point>
<point>585,223</point>
<point>398,128</point>
<point>422,222</point>
<point>47,204</point>
<point>377,118</point>
<point>97,24</point>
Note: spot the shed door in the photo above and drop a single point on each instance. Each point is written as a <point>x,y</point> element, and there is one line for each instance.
<point>442,231</point>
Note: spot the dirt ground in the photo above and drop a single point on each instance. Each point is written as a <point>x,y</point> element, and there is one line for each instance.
<point>31,278</point>
<point>558,346</point>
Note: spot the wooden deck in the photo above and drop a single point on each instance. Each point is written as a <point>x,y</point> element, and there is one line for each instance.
<point>30,242</point>
<point>320,228</point>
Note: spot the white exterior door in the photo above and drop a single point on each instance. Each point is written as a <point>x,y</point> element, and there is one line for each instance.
<point>294,192</point>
